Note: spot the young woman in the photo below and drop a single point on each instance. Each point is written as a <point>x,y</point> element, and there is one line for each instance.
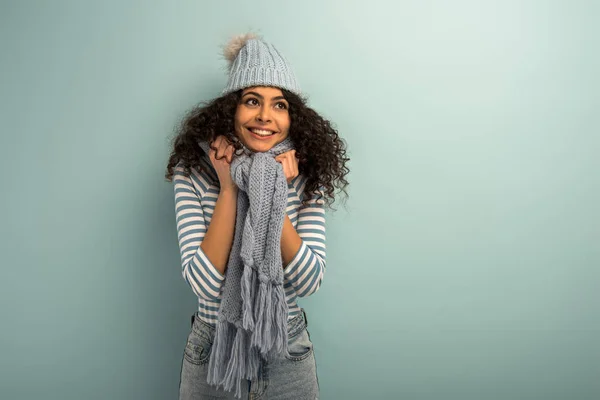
<point>253,171</point>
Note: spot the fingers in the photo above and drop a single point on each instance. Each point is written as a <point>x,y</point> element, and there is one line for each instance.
<point>293,166</point>
<point>294,162</point>
<point>223,149</point>
<point>229,153</point>
<point>214,145</point>
<point>289,162</point>
<point>291,153</point>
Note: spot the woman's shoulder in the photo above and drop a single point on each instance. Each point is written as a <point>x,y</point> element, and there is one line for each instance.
<point>298,184</point>
<point>201,177</point>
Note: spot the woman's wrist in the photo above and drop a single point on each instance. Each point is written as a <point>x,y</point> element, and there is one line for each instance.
<point>228,190</point>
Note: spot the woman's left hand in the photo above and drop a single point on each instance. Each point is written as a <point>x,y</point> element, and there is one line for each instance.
<point>290,164</point>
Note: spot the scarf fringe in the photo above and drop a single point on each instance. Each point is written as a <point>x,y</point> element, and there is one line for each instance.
<point>218,357</point>
<point>271,312</point>
<point>236,367</point>
<point>281,316</point>
<point>259,308</point>
<point>237,351</point>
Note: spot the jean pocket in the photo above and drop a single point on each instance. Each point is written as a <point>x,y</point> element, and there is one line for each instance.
<point>299,346</point>
<point>198,347</point>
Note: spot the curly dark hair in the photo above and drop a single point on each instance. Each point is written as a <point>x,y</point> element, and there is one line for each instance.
<point>320,150</point>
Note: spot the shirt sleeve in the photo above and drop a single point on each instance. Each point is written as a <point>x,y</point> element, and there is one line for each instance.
<point>305,271</point>
<point>197,270</point>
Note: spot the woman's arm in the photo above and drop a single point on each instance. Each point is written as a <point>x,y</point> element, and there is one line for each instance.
<point>197,269</point>
<point>290,241</point>
<point>303,249</point>
<point>219,236</point>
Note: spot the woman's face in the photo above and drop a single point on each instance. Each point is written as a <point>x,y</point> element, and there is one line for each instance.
<point>262,118</point>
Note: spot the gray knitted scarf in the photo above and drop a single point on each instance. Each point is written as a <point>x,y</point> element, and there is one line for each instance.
<point>252,319</point>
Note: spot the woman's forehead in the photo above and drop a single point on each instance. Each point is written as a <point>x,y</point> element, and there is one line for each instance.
<point>265,91</point>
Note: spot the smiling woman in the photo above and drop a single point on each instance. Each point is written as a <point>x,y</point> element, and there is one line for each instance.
<point>258,147</point>
<point>262,119</point>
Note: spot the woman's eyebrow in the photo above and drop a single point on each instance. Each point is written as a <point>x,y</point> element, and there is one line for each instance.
<point>253,93</point>
<point>261,97</point>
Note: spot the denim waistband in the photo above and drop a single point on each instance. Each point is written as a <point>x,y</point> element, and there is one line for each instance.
<point>294,325</point>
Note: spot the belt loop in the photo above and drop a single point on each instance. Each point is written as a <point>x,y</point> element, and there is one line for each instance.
<point>305,319</point>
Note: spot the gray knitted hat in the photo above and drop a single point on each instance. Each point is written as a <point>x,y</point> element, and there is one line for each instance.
<point>252,62</point>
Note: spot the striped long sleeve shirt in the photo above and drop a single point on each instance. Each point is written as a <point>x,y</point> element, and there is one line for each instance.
<point>195,199</point>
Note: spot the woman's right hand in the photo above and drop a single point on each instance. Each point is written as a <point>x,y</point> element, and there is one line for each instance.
<point>221,155</point>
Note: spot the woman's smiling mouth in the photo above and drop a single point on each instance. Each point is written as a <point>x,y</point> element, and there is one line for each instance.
<point>261,133</point>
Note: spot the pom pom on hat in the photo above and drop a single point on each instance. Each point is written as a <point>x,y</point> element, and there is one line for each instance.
<point>235,44</point>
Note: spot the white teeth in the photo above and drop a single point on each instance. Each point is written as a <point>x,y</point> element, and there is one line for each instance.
<point>262,132</point>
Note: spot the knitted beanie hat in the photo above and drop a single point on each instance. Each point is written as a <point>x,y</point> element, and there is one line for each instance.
<point>252,62</point>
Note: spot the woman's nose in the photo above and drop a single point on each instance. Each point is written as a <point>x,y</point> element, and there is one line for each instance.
<point>263,115</point>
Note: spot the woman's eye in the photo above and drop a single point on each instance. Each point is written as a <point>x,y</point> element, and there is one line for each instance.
<point>252,102</point>
<point>281,105</point>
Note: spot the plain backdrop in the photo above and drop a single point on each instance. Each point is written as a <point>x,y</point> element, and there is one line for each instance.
<point>465,264</point>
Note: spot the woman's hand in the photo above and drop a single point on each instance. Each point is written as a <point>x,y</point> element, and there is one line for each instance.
<point>289,161</point>
<point>221,155</point>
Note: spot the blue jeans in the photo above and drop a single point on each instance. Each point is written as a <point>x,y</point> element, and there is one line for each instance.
<point>292,376</point>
